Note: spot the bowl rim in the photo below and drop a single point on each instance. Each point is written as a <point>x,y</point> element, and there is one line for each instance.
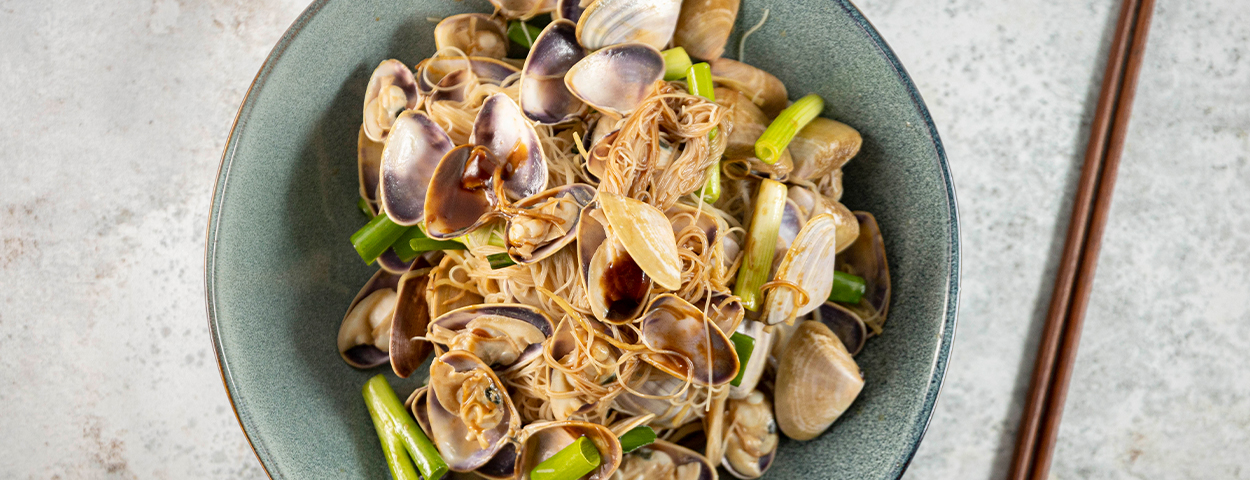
<point>949,321</point>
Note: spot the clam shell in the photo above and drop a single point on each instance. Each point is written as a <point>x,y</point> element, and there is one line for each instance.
<point>844,323</point>
<point>684,344</point>
<point>740,462</point>
<point>866,258</point>
<point>580,193</point>
<point>413,151</point>
<point>616,79</point>
<point>634,466</point>
<point>821,147</point>
<point>487,70</point>
<point>617,287</point>
<point>453,87</point>
<point>817,380</point>
<point>458,201</point>
<point>523,9</point>
<point>613,22</point>
<point>411,318</point>
<point>476,34</point>
<point>808,264</point>
<point>544,96</point>
<point>570,9</point>
<point>590,235</point>
<point>748,120</point>
<point>754,366</point>
<point>759,86</point>
<point>457,320</point>
<point>378,117</point>
<point>503,129</point>
<point>353,351</point>
<point>646,234</point>
<point>368,168</point>
<point>542,440</point>
<point>704,26</point>
<point>448,430</point>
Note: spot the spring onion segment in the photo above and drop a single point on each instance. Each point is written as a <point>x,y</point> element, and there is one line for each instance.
<point>363,205</point>
<point>761,243</point>
<point>676,62</point>
<point>500,260</point>
<point>376,236</point>
<point>779,133</point>
<point>398,431</point>
<point>743,346</point>
<point>522,33</point>
<point>847,288</point>
<point>636,438</point>
<point>570,463</point>
<point>699,81</point>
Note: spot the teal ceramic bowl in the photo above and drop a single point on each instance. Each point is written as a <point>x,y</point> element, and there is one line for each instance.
<point>279,270</point>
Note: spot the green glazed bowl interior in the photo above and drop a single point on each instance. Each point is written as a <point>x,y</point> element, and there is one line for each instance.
<point>280,271</point>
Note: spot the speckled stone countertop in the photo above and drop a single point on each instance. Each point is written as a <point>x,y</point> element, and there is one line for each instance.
<point>113,117</point>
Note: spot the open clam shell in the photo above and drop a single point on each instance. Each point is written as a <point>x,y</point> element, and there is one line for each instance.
<point>485,69</point>
<point>817,380</point>
<point>612,22</point>
<point>866,258</point>
<point>364,335</point>
<point>646,234</point>
<point>808,265</point>
<point>617,288</point>
<point>413,151</point>
<point>704,25</point>
<point>544,96</point>
<point>662,456</point>
<point>542,440</point>
<point>460,197</point>
<point>751,443</point>
<point>392,89</point>
<point>461,384</point>
<point>685,345</point>
<point>501,335</point>
<point>410,320</point>
<point>368,168</point>
<point>665,396</point>
<point>759,86</point>
<point>844,323</point>
<point>503,129</point>
<point>616,79</point>
<point>454,87</point>
<point>476,34</point>
<point>554,224</point>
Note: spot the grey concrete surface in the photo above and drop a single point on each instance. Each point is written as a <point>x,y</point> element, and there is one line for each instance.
<point>113,116</point>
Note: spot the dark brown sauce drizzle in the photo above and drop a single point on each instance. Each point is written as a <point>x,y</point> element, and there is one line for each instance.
<point>625,286</point>
<point>478,170</point>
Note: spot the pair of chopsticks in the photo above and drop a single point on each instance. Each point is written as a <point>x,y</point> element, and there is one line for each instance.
<point>1056,354</point>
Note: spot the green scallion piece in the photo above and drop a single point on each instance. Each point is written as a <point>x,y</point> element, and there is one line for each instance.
<point>376,236</point>
<point>403,245</point>
<point>699,81</point>
<point>429,245</point>
<point>363,205</point>
<point>847,288</point>
<point>396,427</point>
<point>779,133</point>
<point>570,463</point>
<point>761,242</point>
<point>522,33</point>
<point>639,436</point>
<point>500,260</point>
<point>711,183</point>
<point>676,62</point>
<point>743,346</point>
<point>393,449</point>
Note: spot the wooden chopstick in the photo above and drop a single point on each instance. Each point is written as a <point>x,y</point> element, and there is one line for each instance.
<point>1052,370</point>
